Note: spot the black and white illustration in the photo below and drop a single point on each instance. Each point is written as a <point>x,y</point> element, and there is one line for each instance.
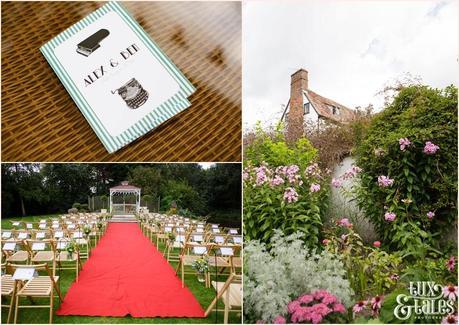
<point>133,94</point>
<point>92,43</point>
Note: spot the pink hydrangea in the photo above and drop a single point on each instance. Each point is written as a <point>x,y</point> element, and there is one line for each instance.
<point>358,307</point>
<point>314,187</point>
<point>451,263</point>
<point>389,216</point>
<point>280,320</point>
<point>450,292</point>
<point>336,183</point>
<point>430,214</point>
<point>385,181</point>
<point>430,148</point>
<point>290,195</point>
<point>404,142</point>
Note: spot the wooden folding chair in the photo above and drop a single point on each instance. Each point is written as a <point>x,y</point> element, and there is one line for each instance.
<point>231,294</point>
<point>223,258</point>
<point>190,253</point>
<point>15,251</point>
<point>41,286</point>
<point>42,251</point>
<point>64,260</point>
<point>8,291</point>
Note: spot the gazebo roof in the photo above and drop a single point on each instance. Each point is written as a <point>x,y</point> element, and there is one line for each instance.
<point>124,186</point>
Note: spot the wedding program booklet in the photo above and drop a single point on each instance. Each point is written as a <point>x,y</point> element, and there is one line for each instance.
<point>122,82</point>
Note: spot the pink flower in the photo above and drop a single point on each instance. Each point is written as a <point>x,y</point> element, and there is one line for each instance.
<point>394,277</point>
<point>450,319</point>
<point>385,181</point>
<point>450,292</point>
<point>345,223</point>
<point>376,303</point>
<point>352,172</point>
<point>389,216</point>
<point>430,215</point>
<point>404,142</point>
<point>261,175</point>
<point>293,306</point>
<point>321,309</point>
<point>316,318</point>
<point>325,241</point>
<point>343,237</point>
<point>314,187</point>
<point>276,181</point>
<point>450,264</point>
<point>358,307</point>
<point>336,183</point>
<point>279,320</point>
<point>245,175</point>
<point>430,148</point>
<point>377,243</point>
<point>339,308</point>
<point>305,299</point>
<point>319,294</point>
<point>329,299</point>
<point>290,195</point>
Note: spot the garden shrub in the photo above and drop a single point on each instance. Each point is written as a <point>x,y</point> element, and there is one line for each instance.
<point>290,269</point>
<point>286,198</point>
<point>409,162</point>
<point>271,148</point>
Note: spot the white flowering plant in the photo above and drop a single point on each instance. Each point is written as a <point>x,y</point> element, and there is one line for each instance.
<point>288,270</point>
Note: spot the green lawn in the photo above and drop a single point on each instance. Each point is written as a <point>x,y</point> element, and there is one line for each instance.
<point>41,316</point>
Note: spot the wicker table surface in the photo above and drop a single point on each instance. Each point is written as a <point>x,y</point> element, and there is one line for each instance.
<point>40,121</point>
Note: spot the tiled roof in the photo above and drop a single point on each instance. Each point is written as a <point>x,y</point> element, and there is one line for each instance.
<point>324,108</point>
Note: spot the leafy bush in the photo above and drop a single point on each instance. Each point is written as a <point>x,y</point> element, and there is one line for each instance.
<point>272,148</point>
<point>272,279</point>
<point>409,161</point>
<point>371,271</point>
<point>76,205</point>
<point>284,198</point>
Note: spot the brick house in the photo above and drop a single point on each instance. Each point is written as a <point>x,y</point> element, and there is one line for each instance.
<point>307,107</point>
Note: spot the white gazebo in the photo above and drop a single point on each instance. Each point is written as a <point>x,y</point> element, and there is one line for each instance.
<point>122,198</point>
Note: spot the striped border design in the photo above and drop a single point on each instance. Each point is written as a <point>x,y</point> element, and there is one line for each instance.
<point>163,112</point>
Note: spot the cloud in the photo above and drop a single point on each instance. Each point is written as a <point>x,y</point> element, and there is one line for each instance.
<point>437,7</point>
<point>350,48</point>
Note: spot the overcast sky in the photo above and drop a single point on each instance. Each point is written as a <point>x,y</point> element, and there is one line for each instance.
<point>350,48</point>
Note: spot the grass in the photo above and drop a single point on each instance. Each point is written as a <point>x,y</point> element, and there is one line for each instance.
<point>41,315</point>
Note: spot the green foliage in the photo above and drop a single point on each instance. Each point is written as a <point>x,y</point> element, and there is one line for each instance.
<point>369,269</point>
<point>273,278</point>
<point>274,150</point>
<point>266,207</point>
<point>184,195</point>
<point>422,182</point>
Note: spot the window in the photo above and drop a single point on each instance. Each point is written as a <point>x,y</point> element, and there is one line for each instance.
<point>306,108</point>
<point>335,110</point>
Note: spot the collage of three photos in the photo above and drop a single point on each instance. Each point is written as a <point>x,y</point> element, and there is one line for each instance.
<point>246,162</point>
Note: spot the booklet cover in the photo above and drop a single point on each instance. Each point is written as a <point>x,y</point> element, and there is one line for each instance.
<point>119,78</point>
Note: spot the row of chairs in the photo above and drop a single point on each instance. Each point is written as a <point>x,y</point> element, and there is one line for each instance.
<point>186,241</point>
<point>39,253</point>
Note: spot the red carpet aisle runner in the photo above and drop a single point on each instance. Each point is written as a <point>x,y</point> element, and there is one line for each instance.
<point>127,275</point>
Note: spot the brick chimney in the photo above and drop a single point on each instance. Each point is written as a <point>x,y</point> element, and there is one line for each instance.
<point>299,82</point>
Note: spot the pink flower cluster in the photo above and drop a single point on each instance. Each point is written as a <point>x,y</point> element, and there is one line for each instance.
<point>261,175</point>
<point>389,216</point>
<point>314,187</point>
<point>314,307</point>
<point>290,195</point>
<point>290,173</point>
<point>451,263</point>
<point>430,148</point>
<point>313,171</point>
<point>344,222</point>
<point>374,304</point>
<point>404,142</point>
<point>351,172</point>
<point>276,181</point>
<point>430,214</point>
<point>385,181</point>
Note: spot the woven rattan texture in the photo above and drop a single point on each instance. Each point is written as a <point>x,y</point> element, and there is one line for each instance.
<point>40,122</point>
